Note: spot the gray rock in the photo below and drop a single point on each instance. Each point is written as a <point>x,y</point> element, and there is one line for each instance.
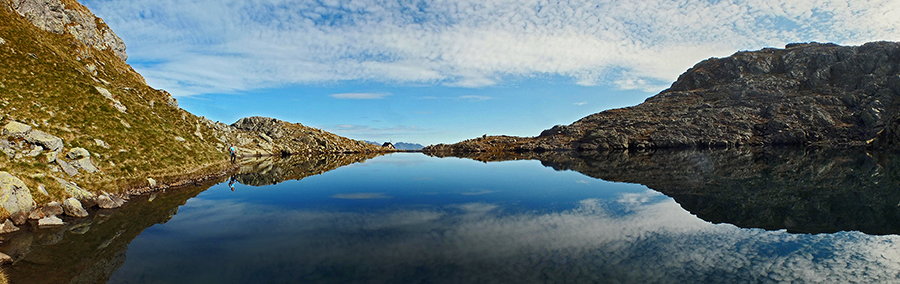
<point>15,196</point>
<point>52,16</point>
<point>50,221</point>
<point>2,41</point>
<point>35,215</point>
<point>5,259</point>
<point>106,201</point>
<point>16,129</point>
<point>85,164</point>
<point>35,152</point>
<point>68,169</point>
<point>41,138</point>
<point>101,143</point>
<point>50,157</point>
<point>51,209</point>
<point>179,139</point>
<point>271,127</point>
<point>78,153</point>
<point>43,190</point>
<point>151,182</point>
<point>116,104</point>
<point>72,207</point>
<point>8,227</point>
<point>75,191</point>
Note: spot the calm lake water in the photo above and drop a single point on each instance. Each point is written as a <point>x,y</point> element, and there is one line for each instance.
<point>411,218</point>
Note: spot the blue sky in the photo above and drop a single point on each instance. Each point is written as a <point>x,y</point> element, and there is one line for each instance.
<point>443,71</point>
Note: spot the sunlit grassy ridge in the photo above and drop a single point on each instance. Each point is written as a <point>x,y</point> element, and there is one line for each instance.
<point>49,81</point>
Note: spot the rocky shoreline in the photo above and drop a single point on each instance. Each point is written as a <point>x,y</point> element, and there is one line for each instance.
<point>23,143</point>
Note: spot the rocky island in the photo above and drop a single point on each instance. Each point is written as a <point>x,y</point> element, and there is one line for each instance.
<point>804,94</point>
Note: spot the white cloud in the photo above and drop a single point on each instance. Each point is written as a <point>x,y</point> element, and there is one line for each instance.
<point>359,96</point>
<point>209,46</point>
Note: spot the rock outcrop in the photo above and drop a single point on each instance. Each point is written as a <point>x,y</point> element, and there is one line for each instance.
<point>264,136</point>
<point>804,94</point>
<point>56,17</point>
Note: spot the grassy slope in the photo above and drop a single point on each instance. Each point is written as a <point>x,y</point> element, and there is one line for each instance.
<point>44,83</point>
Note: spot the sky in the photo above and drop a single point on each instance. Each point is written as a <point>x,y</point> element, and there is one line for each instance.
<point>443,71</point>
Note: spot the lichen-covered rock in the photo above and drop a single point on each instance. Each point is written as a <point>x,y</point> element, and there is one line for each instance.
<point>66,167</point>
<point>45,139</point>
<point>78,153</point>
<point>73,207</point>
<point>15,197</point>
<point>85,164</point>
<point>16,129</point>
<point>74,190</point>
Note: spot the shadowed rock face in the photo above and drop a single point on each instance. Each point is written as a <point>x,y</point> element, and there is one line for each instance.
<point>801,190</point>
<point>821,94</point>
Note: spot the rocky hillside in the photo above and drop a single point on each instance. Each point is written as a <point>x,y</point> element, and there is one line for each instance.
<point>804,94</point>
<point>79,128</point>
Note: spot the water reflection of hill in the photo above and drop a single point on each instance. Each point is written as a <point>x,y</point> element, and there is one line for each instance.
<point>801,190</point>
<point>89,250</point>
<point>272,170</point>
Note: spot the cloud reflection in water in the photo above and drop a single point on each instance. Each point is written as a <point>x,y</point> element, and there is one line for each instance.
<point>636,238</point>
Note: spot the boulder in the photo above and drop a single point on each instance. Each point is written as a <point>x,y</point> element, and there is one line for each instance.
<point>85,164</point>
<point>49,142</point>
<point>151,182</point>
<point>72,207</point>
<point>51,209</point>
<point>16,129</point>
<point>8,227</point>
<point>78,153</point>
<point>67,168</point>
<point>107,201</point>
<point>5,259</point>
<point>15,196</point>
<point>75,191</point>
<point>50,221</point>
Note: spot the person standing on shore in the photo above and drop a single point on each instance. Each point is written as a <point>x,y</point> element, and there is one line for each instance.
<point>232,150</point>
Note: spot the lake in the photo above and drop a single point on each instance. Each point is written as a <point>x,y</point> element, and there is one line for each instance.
<point>804,216</point>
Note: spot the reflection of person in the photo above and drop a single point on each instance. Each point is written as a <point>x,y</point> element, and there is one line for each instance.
<point>231,182</point>
<point>232,150</point>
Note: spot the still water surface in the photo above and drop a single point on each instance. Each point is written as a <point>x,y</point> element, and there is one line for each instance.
<point>410,218</point>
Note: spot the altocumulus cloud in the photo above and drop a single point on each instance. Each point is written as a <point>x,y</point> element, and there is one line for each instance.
<point>210,46</point>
